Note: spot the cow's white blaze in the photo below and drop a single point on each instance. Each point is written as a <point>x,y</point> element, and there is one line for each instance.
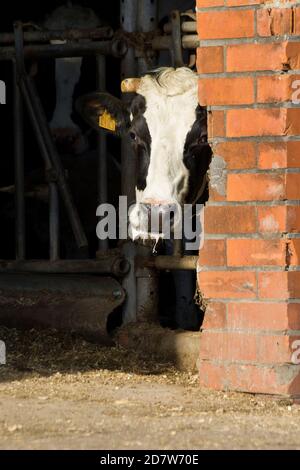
<point>170,114</point>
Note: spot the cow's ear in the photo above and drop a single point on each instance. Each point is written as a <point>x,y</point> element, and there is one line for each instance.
<point>104,112</point>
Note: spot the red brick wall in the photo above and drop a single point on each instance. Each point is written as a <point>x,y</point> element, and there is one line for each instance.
<point>248,59</point>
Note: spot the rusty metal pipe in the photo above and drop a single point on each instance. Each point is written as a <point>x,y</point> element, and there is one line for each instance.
<point>115,48</point>
<point>171,263</point>
<point>62,35</point>
<point>114,265</point>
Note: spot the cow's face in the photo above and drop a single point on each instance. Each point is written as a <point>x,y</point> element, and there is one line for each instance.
<point>168,131</point>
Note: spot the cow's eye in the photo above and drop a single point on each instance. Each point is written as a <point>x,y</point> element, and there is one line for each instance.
<point>132,135</point>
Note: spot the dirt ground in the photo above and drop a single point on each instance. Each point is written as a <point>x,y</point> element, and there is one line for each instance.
<point>60,392</point>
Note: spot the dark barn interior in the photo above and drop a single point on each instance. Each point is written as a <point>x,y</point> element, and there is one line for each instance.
<point>81,170</point>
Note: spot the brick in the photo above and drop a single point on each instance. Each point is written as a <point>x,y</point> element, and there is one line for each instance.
<point>293,186</point>
<point>293,316</point>
<point>216,124</point>
<point>272,219</point>
<point>255,187</point>
<point>279,285</point>
<point>213,253</point>
<point>275,89</point>
<point>278,380</point>
<point>259,57</point>
<point>263,316</point>
<point>293,154</point>
<point>215,316</point>
<point>228,346</point>
<point>237,3</point>
<point>293,219</point>
<point>209,3</point>
<point>275,349</point>
<point>274,155</point>
<point>238,155</point>
<point>227,284</point>
<point>274,22</point>
<point>215,196</point>
<point>297,21</point>
<point>259,122</point>
<point>245,252</point>
<point>293,121</point>
<point>229,219</point>
<point>292,54</point>
<point>210,59</point>
<point>258,252</point>
<point>263,349</point>
<point>226,24</point>
<point>226,91</point>
<point>293,255</point>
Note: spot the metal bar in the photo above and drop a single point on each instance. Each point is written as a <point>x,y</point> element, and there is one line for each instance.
<point>178,247</point>
<point>168,262</point>
<point>20,228</point>
<point>128,12</point>
<point>147,295</point>
<point>36,127</point>
<point>190,41</point>
<point>164,43</point>
<point>147,21</point>
<point>147,280</point>
<point>116,48</point>
<point>70,34</point>
<point>114,265</point>
<point>186,27</point>
<point>54,221</point>
<point>49,152</point>
<point>176,39</point>
<point>102,147</point>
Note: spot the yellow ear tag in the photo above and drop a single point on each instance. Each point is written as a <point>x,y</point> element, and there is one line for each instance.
<point>106,121</point>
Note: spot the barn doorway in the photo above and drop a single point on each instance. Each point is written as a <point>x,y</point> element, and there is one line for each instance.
<point>79,155</point>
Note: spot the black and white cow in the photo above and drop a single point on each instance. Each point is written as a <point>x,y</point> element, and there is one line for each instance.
<point>168,129</point>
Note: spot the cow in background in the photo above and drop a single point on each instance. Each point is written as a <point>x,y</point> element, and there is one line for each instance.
<point>68,136</point>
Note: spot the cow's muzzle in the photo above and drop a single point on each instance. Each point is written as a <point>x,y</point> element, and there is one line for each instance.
<point>148,220</point>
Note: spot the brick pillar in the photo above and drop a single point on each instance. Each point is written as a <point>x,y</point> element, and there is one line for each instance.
<point>248,59</point>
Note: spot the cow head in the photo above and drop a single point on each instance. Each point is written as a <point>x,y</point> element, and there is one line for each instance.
<point>168,131</point>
